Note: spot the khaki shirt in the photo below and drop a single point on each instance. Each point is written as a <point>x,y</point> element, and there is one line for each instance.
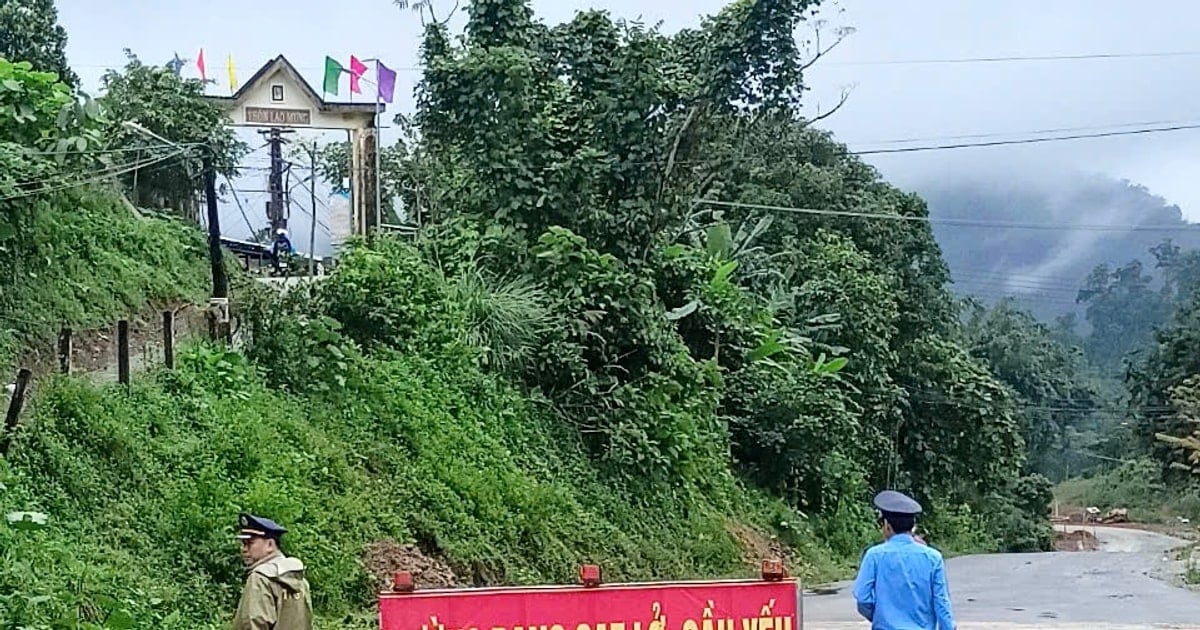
<point>275,597</point>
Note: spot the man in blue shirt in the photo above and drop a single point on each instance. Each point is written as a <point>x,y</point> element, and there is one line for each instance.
<point>901,583</point>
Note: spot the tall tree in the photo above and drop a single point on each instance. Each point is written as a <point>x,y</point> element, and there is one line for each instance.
<point>590,154</point>
<point>1053,389</point>
<point>29,31</point>
<point>1123,310</point>
<point>173,108</point>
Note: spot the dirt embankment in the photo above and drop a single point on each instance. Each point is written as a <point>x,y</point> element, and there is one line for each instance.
<point>1079,540</point>
<point>94,351</point>
<point>384,558</point>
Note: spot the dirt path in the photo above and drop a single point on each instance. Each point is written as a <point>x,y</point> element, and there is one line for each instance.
<point>1115,588</point>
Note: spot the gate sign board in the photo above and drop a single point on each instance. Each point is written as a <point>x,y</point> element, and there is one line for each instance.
<point>278,96</point>
<point>278,116</point>
<point>720,605</point>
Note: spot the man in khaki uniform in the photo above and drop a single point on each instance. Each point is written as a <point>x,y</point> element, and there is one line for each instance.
<point>276,595</point>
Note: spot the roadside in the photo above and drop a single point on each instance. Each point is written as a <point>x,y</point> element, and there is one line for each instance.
<point>1116,586</point>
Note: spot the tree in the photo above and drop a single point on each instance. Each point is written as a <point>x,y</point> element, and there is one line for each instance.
<point>1123,310</point>
<point>1054,392</point>
<point>1185,402</point>
<point>1154,383</point>
<point>47,136</point>
<point>633,174</point>
<point>29,31</point>
<point>174,108</point>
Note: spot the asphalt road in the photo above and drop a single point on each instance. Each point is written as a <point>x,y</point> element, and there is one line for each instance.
<point>1115,588</point>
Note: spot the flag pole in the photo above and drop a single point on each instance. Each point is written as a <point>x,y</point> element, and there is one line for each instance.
<point>378,150</point>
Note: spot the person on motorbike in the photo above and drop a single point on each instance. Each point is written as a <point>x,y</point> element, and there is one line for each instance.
<point>282,246</point>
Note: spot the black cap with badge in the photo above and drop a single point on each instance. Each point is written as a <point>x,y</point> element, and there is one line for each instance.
<point>251,526</point>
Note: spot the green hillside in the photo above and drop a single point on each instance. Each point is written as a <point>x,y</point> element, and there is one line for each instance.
<point>85,261</point>
<point>140,487</point>
<point>613,340</point>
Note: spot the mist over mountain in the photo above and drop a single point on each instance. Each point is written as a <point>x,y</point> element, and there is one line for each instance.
<point>1061,230</point>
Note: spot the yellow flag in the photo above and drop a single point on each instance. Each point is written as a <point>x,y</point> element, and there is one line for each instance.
<point>232,73</point>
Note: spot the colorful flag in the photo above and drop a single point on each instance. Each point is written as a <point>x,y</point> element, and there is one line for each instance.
<point>333,75</point>
<point>200,65</point>
<point>232,74</point>
<point>386,79</point>
<point>356,71</point>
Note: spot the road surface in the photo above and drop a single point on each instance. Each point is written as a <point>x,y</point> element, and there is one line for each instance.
<point>1115,588</point>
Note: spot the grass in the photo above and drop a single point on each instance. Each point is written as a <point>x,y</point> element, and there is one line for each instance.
<point>87,260</point>
<point>452,459</point>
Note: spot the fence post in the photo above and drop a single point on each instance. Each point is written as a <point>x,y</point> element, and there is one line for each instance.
<point>14,409</point>
<point>65,350</point>
<point>169,339</point>
<point>123,352</point>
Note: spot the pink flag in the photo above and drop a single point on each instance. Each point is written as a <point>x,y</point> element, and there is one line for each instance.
<point>356,71</point>
<point>200,65</point>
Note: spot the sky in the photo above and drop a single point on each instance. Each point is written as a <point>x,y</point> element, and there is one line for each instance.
<point>896,93</point>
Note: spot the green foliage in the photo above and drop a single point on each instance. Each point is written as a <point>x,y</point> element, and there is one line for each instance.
<point>390,296</point>
<point>1136,485</point>
<point>174,108</point>
<point>579,338</point>
<point>1162,392</point>
<point>505,317</point>
<point>823,350</point>
<point>155,477</point>
<point>90,261</point>
<point>30,32</point>
<point>619,370</point>
<point>970,433</point>
<point>1017,518</point>
<point>1185,401</point>
<point>45,135</point>
<point>958,529</point>
<point>1051,385</point>
<point>1123,311</point>
<point>31,104</point>
<point>794,434</point>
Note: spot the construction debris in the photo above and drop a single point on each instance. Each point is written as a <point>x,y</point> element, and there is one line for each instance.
<point>1115,515</point>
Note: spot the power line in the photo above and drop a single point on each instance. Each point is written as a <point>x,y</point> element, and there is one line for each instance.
<point>91,180</point>
<point>869,62</point>
<point>996,143</point>
<point>1000,134</point>
<point>957,222</point>
<point>1016,58</point>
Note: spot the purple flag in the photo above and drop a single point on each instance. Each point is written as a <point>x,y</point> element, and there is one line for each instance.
<point>386,80</point>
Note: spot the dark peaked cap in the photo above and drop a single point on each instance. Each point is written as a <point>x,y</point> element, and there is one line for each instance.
<point>250,526</point>
<point>892,502</point>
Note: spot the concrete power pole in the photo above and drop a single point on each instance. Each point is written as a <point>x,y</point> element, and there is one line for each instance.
<point>276,207</point>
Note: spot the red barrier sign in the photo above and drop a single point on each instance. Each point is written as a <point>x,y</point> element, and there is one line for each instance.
<point>726,605</point>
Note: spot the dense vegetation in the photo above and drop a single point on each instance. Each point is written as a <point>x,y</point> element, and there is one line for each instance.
<point>72,252</point>
<point>609,342</point>
<point>1109,389</point>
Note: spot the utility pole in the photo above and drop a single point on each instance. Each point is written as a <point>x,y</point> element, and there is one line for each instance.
<point>312,233</point>
<point>219,302</point>
<point>276,206</point>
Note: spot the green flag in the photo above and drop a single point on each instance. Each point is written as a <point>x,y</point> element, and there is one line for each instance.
<point>333,75</point>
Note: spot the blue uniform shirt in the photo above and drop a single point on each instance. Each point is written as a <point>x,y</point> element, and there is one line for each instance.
<point>901,585</point>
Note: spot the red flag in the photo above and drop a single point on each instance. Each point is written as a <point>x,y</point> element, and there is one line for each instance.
<point>356,71</point>
<point>200,65</point>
